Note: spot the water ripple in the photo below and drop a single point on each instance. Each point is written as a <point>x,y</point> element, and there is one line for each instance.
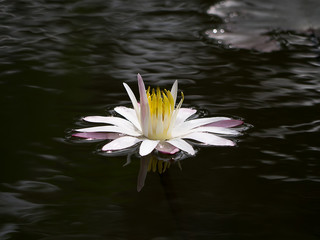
<point>12,205</point>
<point>287,130</point>
<point>252,25</point>
<point>61,60</point>
<point>6,230</point>
<point>33,186</point>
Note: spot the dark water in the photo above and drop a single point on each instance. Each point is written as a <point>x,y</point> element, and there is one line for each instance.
<point>257,60</point>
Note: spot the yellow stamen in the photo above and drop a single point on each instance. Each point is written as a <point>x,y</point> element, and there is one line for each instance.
<point>156,165</point>
<point>160,166</point>
<point>162,113</point>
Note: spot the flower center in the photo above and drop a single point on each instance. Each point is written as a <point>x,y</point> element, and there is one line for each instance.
<point>162,113</point>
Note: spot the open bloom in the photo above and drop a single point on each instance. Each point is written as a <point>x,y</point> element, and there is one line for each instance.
<point>157,122</point>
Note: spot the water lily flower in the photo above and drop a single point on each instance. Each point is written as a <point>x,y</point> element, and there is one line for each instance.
<point>157,122</point>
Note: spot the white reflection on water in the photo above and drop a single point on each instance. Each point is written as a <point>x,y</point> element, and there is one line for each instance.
<point>12,205</point>
<point>33,186</point>
<point>252,25</point>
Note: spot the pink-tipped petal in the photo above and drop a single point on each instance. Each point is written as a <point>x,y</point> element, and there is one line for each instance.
<point>218,130</point>
<point>209,139</point>
<point>96,135</point>
<point>225,123</point>
<point>144,106</point>
<point>185,127</point>
<point>147,146</point>
<point>121,143</point>
<point>167,148</point>
<point>201,121</point>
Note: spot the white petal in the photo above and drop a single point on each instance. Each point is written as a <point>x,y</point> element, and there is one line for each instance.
<point>209,138</point>
<point>181,144</point>
<point>129,114</point>
<point>132,98</point>
<point>186,126</point>
<point>175,114</point>
<point>121,143</point>
<point>147,146</point>
<point>174,91</point>
<point>219,130</point>
<point>183,114</point>
<point>110,129</point>
<point>119,122</point>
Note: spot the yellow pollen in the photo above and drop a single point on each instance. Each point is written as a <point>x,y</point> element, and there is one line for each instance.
<point>162,113</point>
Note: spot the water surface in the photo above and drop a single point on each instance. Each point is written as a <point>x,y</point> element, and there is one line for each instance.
<point>62,61</point>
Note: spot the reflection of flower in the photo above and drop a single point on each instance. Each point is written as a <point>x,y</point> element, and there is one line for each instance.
<point>158,123</point>
<point>157,165</point>
<point>151,163</point>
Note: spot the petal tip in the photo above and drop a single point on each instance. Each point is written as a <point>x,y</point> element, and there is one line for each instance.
<point>147,146</point>
<point>86,119</point>
<point>139,77</point>
<point>229,143</point>
<point>192,153</point>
